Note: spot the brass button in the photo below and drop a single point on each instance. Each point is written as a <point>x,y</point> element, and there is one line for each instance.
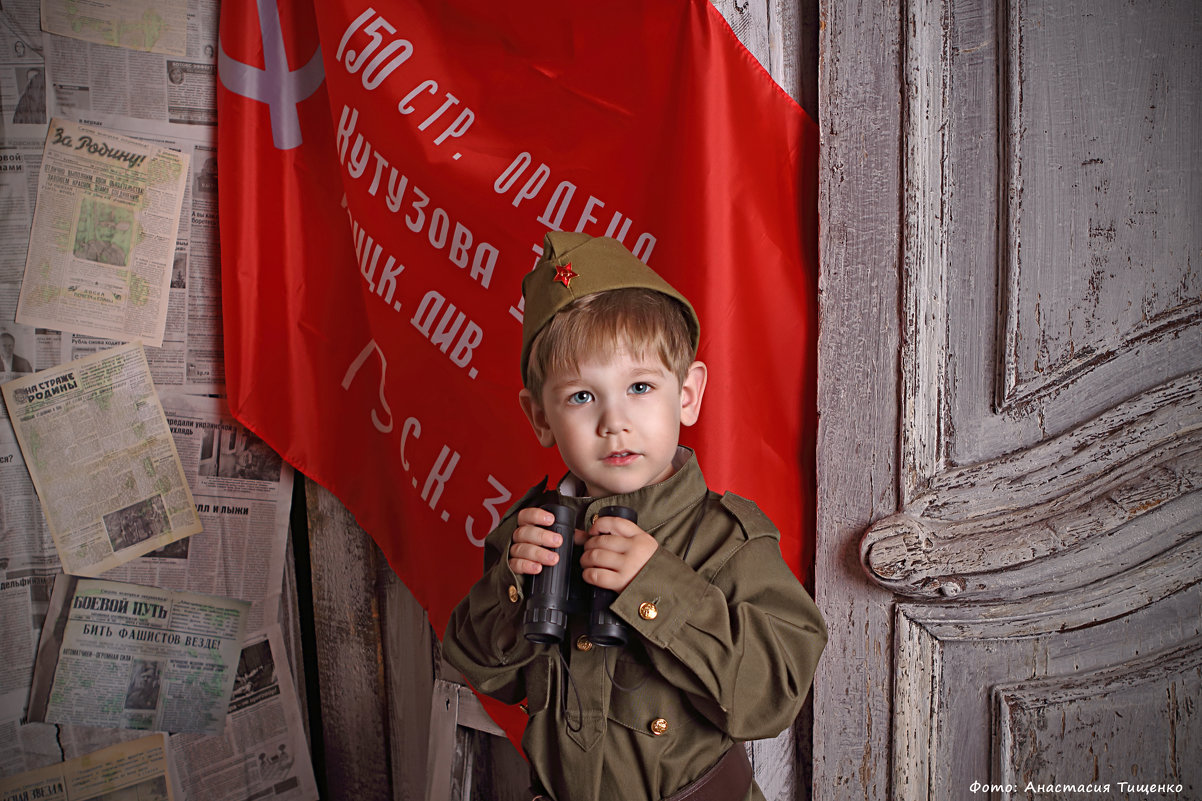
<point>514,595</point>
<point>583,643</point>
<point>659,726</point>
<point>647,611</point>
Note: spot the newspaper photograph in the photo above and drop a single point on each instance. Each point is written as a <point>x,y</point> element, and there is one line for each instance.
<point>243,493</point>
<point>25,350</point>
<point>152,26</point>
<point>263,752</point>
<point>104,232</point>
<point>127,656</point>
<point>22,70</point>
<point>132,771</point>
<point>102,459</point>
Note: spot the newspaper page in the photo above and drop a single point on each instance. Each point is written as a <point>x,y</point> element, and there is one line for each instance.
<point>243,492</point>
<point>127,656</point>
<point>86,81</point>
<point>154,26</point>
<point>133,771</point>
<point>15,219</point>
<point>22,72</point>
<point>191,356</point>
<point>28,565</point>
<point>24,113</point>
<point>263,753</point>
<point>101,456</point>
<point>104,232</point>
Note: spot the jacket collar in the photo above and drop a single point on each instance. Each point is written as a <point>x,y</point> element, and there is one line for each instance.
<point>655,504</point>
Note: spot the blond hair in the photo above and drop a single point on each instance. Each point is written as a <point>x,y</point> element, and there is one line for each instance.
<point>643,320</point>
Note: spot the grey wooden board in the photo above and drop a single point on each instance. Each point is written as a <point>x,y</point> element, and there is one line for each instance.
<point>350,667</point>
<point>393,726</point>
<point>860,183</point>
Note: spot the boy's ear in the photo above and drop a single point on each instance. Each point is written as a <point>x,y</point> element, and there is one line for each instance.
<point>692,390</point>
<point>532,407</point>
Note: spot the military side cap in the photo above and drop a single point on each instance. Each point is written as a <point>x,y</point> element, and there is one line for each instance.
<point>574,265</point>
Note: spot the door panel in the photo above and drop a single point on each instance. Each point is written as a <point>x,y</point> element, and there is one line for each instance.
<point>1094,685</point>
<point>1035,490</point>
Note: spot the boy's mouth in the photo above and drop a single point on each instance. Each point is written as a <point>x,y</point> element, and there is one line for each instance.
<point>619,458</point>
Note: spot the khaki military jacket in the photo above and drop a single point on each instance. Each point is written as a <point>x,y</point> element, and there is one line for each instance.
<point>723,645</point>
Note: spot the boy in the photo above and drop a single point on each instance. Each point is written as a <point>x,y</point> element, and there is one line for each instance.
<point>722,639</point>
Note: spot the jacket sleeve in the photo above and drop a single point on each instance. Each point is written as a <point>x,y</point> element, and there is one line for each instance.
<point>739,634</point>
<point>484,637</point>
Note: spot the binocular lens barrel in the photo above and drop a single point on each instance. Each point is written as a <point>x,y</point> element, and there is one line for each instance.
<point>604,627</point>
<point>546,618</point>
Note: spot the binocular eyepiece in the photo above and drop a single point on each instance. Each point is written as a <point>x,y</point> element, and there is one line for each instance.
<point>547,609</point>
<point>552,600</point>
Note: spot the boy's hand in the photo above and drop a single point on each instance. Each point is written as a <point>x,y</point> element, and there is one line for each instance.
<point>532,544</point>
<point>615,550</point>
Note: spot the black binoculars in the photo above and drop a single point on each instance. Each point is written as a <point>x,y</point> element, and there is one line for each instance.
<point>554,596</point>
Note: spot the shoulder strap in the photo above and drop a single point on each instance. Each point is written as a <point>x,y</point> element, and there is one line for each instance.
<point>754,522</point>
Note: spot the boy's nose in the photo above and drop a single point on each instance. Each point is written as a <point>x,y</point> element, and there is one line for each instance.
<point>613,420</point>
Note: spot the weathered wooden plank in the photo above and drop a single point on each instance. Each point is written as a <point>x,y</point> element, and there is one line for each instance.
<point>924,264</point>
<point>749,21</point>
<point>860,123</point>
<point>793,50</point>
<point>498,771</point>
<point>290,627</point>
<point>408,647</point>
<point>443,774</point>
<point>916,694</point>
<point>349,658</point>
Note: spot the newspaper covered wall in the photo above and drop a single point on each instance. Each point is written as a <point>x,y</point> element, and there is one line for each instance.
<point>158,90</point>
<point>134,657</point>
<point>236,555</point>
<point>102,459</point>
<point>243,494</point>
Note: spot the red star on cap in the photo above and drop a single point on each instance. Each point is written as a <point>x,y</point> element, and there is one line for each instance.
<point>564,274</point>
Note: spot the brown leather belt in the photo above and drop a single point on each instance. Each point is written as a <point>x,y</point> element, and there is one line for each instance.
<point>727,780</point>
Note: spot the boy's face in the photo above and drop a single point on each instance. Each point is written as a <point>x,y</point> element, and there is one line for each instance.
<point>617,421</point>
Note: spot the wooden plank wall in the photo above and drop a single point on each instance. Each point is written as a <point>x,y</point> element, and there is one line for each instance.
<point>382,684</point>
<point>860,240</point>
<point>377,684</point>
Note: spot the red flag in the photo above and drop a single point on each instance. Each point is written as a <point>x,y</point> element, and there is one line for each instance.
<point>374,342</point>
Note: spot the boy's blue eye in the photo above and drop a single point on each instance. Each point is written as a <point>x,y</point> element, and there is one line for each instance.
<point>639,388</point>
<point>583,396</point>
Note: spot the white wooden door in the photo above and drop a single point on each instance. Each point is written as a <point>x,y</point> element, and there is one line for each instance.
<point>1010,378</point>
